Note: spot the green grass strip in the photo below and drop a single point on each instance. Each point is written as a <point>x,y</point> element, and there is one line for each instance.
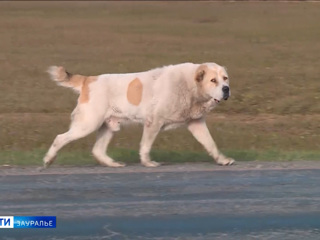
<point>83,158</point>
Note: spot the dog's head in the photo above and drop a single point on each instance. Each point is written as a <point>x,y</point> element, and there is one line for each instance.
<point>213,81</point>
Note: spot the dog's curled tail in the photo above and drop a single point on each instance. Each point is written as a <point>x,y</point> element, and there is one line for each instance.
<point>66,79</point>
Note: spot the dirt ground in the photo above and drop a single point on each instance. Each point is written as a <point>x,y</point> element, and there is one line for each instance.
<point>6,170</point>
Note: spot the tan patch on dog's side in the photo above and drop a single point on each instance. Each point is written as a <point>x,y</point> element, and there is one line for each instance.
<point>85,91</point>
<point>134,92</point>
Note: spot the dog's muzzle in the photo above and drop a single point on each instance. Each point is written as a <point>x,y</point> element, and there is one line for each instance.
<point>225,90</point>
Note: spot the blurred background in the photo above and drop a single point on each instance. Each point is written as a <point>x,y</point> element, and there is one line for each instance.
<point>271,51</point>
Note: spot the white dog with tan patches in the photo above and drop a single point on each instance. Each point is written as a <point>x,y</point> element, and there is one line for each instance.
<point>160,99</point>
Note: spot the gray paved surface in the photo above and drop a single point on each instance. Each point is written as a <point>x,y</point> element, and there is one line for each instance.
<point>251,200</point>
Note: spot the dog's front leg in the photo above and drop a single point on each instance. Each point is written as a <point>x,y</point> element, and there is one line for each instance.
<point>200,131</point>
<point>150,132</point>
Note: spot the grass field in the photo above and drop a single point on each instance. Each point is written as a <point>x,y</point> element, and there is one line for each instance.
<point>271,51</point>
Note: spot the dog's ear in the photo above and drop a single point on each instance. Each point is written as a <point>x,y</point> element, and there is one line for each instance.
<point>200,73</point>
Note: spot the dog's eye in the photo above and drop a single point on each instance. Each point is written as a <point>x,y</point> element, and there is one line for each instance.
<point>214,80</point>
<point>225,78</point>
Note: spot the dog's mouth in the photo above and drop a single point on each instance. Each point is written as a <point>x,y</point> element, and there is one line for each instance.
<point>216,100</point>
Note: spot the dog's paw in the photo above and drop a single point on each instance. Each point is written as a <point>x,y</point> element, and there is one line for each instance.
<point>224,161</point>
<point>150,164</point>
<point>48,160</point>
<point>115,164</point>
<point>41,169</point>
<point>107,161</point>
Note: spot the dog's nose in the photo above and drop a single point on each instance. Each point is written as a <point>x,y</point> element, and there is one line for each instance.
<point>225,90</point>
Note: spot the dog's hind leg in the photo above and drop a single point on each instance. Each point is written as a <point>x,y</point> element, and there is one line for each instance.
<point>104,137</point>
<point>80,127</point>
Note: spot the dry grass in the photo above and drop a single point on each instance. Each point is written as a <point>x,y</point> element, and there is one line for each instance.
<point>270,50</point>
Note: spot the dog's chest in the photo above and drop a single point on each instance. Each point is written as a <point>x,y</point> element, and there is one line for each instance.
<point>186,112</point>
<point>183,115</point>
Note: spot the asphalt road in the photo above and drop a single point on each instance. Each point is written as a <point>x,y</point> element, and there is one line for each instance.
<point>192,201</point>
